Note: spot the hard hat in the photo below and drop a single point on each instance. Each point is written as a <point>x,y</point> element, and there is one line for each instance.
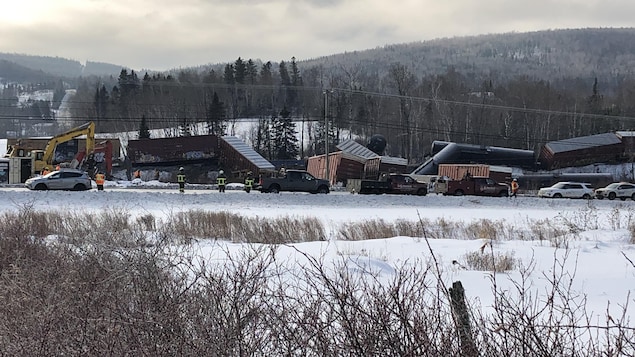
<point>181,169</point>
<point>46,168</point>
<point>221,172</point>
<point>515,179</point>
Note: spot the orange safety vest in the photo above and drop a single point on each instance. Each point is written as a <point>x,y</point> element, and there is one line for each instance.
<point>100,179</point>
<point>514,186</point>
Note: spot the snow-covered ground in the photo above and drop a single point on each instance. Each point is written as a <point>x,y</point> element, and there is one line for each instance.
<point>597,245</point>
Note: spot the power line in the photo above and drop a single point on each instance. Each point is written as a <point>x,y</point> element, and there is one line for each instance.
<point>318,91</point>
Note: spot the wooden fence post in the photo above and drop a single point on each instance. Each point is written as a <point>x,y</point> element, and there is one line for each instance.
<point>462,319</point>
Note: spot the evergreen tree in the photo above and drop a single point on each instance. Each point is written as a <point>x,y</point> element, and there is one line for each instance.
<point>211,77</point>
<point>285,79</point>
<point>101,102</point>
<point>144,130</point>
<point>240,71</point>
<point>296,78</point>
<point>266,75</point>
<point>228,75</point>
<point>216,117</point>
<point>595,105</point>
<point>128,83</point>
<point>286,140</point>
<point>263,139</point>
<point>251,72</point>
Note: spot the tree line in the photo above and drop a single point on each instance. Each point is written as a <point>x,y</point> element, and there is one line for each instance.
<point>410,111</point>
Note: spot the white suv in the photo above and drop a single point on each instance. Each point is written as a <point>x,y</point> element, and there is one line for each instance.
<point>567,190</point>
<point>64,179</point>
<point>621,190</point>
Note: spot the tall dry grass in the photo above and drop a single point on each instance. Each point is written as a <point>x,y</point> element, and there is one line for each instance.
<point>78,284</point>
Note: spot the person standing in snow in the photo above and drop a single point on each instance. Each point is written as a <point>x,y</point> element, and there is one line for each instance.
<point>100,178</point>
<point>514,188</point>
<point>180,178</point>
<point>221,180</point>
<point>249,182</point>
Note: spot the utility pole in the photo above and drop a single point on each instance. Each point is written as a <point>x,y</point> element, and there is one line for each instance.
<point>326,134</point>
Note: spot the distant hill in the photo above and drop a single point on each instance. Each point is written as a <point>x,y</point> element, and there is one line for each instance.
<point>554,55</point>
<point>13,72</point>
<point>53,67</point>
<point>550,55</point>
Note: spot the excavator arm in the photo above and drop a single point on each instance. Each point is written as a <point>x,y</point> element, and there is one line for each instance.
<point>87,129</point>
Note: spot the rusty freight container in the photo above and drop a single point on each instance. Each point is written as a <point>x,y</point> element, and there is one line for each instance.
<point>342,166</point>
<point>168,151</point>
<point>628,140</point>
<point>459,171</point>
<point>581,151</point>
<point>396,165</point>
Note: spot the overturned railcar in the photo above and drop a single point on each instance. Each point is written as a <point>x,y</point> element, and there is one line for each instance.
<point>454,153</point>
<point>174,151</point>
<point>581,151</point>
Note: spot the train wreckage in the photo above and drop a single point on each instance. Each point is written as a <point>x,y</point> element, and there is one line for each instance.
<point>204,155</point>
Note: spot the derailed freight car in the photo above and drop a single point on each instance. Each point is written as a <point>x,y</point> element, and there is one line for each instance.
<point>174,151</point>
<point>581,151</point>
<point>342,166</point>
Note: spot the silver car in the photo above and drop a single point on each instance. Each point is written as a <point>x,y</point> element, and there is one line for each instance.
<point>64,179</point>
<point>621,190</point>
<point>567,190</point>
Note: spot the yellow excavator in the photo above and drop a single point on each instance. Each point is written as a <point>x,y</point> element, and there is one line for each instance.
<point>44,158</point>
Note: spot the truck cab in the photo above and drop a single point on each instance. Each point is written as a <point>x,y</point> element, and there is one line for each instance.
<point>478,186</point>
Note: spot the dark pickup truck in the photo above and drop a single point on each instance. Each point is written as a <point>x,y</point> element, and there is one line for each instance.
<point>478,186</point>
<point>403,184</point>
<point>293,181</point>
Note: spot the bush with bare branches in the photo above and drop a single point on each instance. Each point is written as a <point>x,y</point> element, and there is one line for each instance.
<point>141,287</point>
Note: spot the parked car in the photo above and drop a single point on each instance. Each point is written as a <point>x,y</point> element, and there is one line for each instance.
<point>568,190</point>
<point>63,179</point>
<point>621,190</point>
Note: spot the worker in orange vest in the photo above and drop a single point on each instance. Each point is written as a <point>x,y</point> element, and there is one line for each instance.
<point>514,188</point>
<point>100,178</point>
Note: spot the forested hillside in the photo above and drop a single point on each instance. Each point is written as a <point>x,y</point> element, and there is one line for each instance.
<point>61,67</point>
<point>512,90</point>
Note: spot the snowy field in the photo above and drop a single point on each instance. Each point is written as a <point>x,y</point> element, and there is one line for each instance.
<point>596,256</point>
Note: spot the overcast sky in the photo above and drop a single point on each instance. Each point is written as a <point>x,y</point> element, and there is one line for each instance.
<point>165,34</point>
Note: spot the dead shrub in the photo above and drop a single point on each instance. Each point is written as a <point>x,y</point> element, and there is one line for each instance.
<point>377,229</point>
<point>546,230</point>
<point>147,222</point>
<point>485,229</point>
<point>28,222</point>
<point>79,295</point>
<point>490,261</point>
<point>443,228</point>
<point>206,224</point>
